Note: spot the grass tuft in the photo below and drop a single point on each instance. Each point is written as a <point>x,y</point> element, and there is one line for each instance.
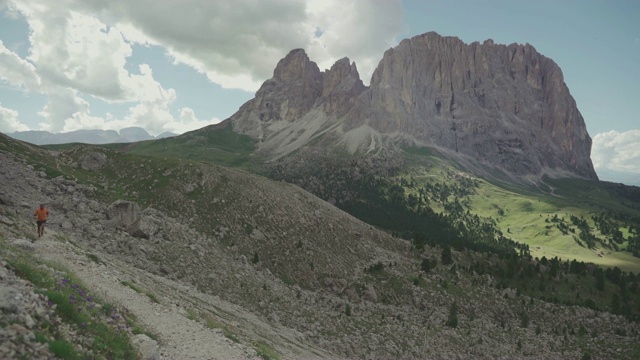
<point>267,352</point>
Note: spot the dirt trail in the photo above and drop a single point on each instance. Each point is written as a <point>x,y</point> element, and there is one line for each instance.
<point>179,337</point>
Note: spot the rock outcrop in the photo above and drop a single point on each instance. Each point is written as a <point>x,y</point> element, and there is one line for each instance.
<point>289,95</point>
<point>505,106</point>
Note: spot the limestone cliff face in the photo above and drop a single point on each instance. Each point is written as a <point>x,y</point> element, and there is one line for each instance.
<point>342,85</point>
<point>507,106</point>
<point>290,94</point>
<point>296,88</point>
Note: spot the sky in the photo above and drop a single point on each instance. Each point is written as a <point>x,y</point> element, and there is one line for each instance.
<point>178,65</point>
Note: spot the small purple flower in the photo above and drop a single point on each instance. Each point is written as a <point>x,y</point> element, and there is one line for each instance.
<point>50,303</point>
<point>84,324</point>
<point>89,298</point>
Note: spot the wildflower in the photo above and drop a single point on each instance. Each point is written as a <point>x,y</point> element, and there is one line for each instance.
<point>49,303</point>
<point>89,298</point>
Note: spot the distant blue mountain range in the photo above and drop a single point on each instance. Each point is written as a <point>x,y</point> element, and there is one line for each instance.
<point>131,134</point>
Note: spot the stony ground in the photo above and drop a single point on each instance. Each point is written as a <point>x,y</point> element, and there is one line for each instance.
<point>214,300</point>
<point>180,337</point>
<point>20,309</point>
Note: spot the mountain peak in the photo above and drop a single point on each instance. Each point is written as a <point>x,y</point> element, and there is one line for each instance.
<point>296,65</point>
<point>502,105</point>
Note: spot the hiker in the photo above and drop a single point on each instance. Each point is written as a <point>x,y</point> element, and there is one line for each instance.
<point>41,218</point>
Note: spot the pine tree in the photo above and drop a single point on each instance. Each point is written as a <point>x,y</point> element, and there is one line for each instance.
<point>446,257</point>
<point>452,320</point>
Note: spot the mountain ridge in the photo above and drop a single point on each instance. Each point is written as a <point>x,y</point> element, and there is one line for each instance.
<point>87,136</point>
<point>503,106</point>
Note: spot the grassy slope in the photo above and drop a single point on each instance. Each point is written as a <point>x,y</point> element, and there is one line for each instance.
<point>216,144</point>
<point>34,154</point>
<point>520,212</point>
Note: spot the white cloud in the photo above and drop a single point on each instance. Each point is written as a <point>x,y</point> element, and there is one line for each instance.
<point>9,121</point>
<point>17,71</point>
<point>155,116</point>
<point>617,151</point>
<point>81,48</point>
<point>188,121</point>
<point>363,31</point>
<point>78,51</point>
<point>63,104</point>
<point>237,44</point>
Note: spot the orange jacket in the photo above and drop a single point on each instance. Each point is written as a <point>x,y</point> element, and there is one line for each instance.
<point>41,214</point>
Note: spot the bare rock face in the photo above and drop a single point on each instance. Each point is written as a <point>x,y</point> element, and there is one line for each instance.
<point>505,106</point>
<point>93,161</point>
<point>290,94</point>
<point>342,85</point>
<point>298,103</point>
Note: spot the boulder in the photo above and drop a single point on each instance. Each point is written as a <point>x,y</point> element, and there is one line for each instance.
<point>146,346</point>
<point>123,214</point>
<point>93,161</point>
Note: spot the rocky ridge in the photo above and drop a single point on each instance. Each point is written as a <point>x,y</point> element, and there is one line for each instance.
<point>505,106</point>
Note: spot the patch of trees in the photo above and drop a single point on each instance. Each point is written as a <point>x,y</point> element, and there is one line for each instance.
<point>369,189</point>
<point>553,280</point>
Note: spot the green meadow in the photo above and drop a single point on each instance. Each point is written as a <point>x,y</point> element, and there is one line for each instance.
<point>525,213</point>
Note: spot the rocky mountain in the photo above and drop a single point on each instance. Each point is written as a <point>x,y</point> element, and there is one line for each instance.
<point>126,135</point>
<point>502,106</point>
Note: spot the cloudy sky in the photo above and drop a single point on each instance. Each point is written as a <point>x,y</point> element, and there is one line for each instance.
<point>177,65</point>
